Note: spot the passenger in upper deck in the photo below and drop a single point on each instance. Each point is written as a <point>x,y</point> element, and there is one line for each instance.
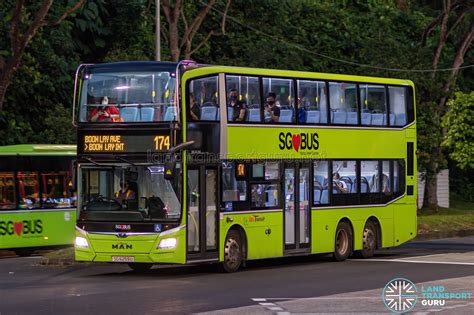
<point>105,113</point>
<point>238,106</point>
<point>272,111</point>
<point>194,109</point>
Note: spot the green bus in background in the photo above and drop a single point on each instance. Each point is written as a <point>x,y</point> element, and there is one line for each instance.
<point>37,207</point>
<point>186,163</point>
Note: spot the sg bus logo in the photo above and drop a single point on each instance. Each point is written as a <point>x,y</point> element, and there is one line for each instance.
<point>297,141</point>
<point>21,228</point>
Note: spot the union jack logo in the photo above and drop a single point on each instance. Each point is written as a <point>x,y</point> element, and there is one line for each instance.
<point>400,295</point>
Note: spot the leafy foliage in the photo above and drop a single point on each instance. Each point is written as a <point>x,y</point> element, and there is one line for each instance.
<point>459,122</point>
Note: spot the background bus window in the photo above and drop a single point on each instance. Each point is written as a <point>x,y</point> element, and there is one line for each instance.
<point>248,97</point>
<point>397,105</point>
<point>312,102</point>
<point>321,192</point>
<point>272,170</point>
<point>233,190</point>
<point>56,192</point>
<point>343,102</point>
<point>283,88</point>
<point>344,177</point>
<point>203,99</point>
<point>7,191</point>
<point>373,104</point>
<point>28,190</point>
<point>265,195</point>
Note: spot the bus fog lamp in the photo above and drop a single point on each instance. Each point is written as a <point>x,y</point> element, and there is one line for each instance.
<point>167,243</point>
<point>81,242</point>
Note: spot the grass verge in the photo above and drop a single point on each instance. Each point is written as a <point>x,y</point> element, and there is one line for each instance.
<point>458,217</point>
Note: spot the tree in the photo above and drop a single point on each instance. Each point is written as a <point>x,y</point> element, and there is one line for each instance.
<point>182,29</point>
<point>459,122</point>
<point>22,31</point>
<point>455,16</point>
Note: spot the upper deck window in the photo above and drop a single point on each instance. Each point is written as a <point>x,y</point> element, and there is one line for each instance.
<point>374,105</point>
<point>203,99</point>
<point>128,97</point>
<point>343,102</point>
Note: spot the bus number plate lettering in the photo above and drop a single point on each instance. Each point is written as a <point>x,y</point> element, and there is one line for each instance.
<point>123,259</point>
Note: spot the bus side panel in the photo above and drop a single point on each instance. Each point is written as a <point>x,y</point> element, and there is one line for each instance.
<point>324,224</point>
<point>264,233</point>
<point>405,227</point>
<point>37,228</point>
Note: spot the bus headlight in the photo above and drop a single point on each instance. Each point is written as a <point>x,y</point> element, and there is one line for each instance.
<point>81,242</point>
<point>167,243</point>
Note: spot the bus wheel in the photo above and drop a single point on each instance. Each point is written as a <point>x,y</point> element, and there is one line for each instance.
<point>343,241</point>
<point>24,252</point>
<point>232,252</point>
<point>140,267</point>
<point>369,240</point>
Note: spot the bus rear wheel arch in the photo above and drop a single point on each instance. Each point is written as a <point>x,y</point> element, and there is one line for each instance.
<point>343,241</point>
<point>234,250</point>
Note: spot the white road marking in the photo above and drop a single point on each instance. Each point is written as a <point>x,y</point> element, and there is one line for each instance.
<point>416,261</point>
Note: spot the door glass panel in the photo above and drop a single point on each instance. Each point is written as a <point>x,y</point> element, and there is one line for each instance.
<point>211,209</point>
<point>193,213</point>
<point>304,205</point>
<point>289,206</point>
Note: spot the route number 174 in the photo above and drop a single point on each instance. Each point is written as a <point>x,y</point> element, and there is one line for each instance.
<point>162,142</point>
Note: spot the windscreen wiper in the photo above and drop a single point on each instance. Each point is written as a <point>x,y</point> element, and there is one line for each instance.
<point>124,160</point>
<point>93,162</point>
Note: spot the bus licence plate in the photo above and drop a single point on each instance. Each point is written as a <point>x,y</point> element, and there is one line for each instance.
<point>123,258</point>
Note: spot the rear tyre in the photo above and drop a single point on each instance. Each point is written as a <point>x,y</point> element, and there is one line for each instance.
<point>343,241</point>
<point>232,252</point>
<point>369,240</point>
<point>24,252</point>
<point>139,267</point>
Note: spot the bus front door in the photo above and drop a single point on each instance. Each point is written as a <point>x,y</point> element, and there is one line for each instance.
<point>202,212</point>
<point>297,210</point>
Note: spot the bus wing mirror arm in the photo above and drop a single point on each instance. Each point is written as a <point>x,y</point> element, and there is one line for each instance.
<point>170,163</point>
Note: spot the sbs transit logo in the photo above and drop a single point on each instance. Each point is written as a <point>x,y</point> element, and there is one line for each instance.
<point>298,141</point>
<point>400,295</point>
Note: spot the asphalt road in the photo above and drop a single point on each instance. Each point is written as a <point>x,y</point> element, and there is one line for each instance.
<point>307,284</point>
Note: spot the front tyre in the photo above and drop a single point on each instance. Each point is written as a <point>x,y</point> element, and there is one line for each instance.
<point>140,267</point>
<point>232,252</point>
<point>343,241</point>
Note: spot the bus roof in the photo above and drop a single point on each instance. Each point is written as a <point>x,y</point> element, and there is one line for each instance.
<point>38,150</point>
<point>298,74</point>
<point>130,66</point>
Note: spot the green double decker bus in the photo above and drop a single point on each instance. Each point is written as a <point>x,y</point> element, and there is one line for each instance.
<point>37,205</point>
<point>184,163</point>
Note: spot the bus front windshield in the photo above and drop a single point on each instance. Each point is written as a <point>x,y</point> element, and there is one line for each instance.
<point>128,97</point>
<point>129,193</point>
